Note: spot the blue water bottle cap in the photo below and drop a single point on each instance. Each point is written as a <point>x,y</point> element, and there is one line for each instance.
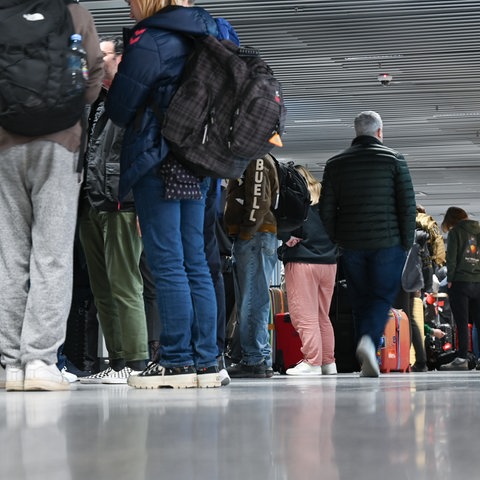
<point>76,37</point>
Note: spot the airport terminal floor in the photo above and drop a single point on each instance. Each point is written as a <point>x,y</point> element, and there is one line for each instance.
<point>412,426</point>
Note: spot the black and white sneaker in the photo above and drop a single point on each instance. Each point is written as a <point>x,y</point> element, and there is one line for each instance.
<point>208,377</point>
<point>156,376</point>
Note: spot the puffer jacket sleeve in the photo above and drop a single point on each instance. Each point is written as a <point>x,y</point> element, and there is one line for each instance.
<point>406,207</point>
<point>143,65</point>
<point>327,204</point>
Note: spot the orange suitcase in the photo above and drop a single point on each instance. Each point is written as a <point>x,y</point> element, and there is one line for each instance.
<point>395,345</point>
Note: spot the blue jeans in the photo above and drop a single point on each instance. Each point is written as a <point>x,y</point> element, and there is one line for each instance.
<point>172,232</point>
<point>373,282</point>
<point>212,252</point>
<point>253,264</point>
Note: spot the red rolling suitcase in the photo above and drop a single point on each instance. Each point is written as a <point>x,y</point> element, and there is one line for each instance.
<point>287,343</point>
<point>395,347</point>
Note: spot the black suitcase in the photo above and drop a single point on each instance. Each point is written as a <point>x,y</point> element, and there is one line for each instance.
<point>343,327</point>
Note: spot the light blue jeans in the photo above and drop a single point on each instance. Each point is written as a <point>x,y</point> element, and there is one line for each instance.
<point>253,264</point>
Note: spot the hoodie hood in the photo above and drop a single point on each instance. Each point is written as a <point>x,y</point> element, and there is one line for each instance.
<point>186,20</point>
<point>470,226</point>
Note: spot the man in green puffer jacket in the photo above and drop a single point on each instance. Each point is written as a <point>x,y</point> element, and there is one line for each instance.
<point>368,209</point>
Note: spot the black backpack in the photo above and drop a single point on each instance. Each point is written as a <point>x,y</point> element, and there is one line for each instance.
<point>34,82</point>
<point>227,110</point>
<point>293,200</point>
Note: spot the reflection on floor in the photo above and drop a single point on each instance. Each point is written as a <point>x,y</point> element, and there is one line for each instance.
<point>400,426</point>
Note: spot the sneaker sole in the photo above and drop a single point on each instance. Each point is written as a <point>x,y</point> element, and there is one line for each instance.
<point>91,381</point>
<point>304,374</point>
<point>46,385</point>
<point>14,386</point>
<point>188,380</point>
<point>114,381</point>
<point>250,375</point>
<point>209,380</point>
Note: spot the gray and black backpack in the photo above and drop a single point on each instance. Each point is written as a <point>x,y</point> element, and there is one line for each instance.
<point>227,109</point>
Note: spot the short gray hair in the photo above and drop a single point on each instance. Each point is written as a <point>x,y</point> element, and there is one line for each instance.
<point>367,123</point>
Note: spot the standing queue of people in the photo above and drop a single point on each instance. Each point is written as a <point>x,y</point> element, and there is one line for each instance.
<point>363,213</point>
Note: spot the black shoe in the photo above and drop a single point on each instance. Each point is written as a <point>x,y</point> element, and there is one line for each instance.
<point>478,366</point>
<point>455,365</point>
<point>240,370</point>
<point>418,367</point>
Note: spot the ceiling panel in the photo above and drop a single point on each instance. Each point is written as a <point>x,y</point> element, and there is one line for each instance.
<point>328,55</point>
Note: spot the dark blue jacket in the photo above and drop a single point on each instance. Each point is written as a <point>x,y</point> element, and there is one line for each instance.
<point>155,53</point>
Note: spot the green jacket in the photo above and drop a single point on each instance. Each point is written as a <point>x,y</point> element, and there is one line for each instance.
<point>367,200</point>
<point>463,257</point>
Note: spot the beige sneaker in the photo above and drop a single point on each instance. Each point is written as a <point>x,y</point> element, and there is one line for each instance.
<point>209,377</point>
<point>156,376</point>
<point>14,377</point>
<point>40,376</point>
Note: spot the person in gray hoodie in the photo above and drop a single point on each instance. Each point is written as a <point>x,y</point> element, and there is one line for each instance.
<point>463,277</point>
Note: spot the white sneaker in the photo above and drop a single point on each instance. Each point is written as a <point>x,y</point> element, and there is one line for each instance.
<point>367,357</point>
<point>71,377</point>
<point>119,377</point>
<point>96,377</point>
<point>40,376</point>
<point>224,377</point>
<point>329,369</point>
<point>305,369</point>
<point>14,378</point>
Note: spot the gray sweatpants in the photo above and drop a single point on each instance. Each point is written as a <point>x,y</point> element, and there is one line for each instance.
<point>39,189</point>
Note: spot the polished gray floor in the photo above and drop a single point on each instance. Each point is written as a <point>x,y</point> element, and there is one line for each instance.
<point>400,426</point>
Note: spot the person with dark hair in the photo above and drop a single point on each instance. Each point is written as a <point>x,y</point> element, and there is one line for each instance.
<point>368,209</point>
<point>463,278</point>
<point>111,240</point>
